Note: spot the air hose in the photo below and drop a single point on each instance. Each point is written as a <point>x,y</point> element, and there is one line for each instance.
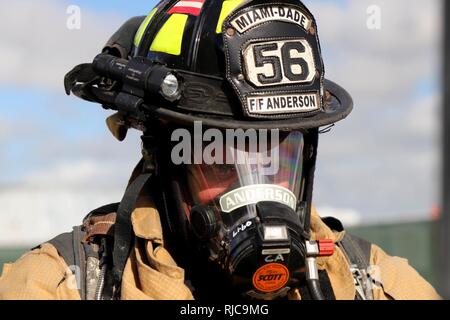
<point>312,279</point>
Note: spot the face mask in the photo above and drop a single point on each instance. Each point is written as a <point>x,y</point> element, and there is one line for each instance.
<point>249,217</point>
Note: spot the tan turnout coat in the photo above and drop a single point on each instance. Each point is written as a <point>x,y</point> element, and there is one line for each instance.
<point>43,274</point>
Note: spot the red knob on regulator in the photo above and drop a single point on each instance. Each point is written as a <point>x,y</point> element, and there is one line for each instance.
<point>326,248</point>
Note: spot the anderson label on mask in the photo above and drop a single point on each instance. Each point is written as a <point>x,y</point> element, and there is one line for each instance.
<point>257,193</point>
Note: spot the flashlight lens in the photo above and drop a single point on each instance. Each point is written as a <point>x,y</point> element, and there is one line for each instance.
<point>170,87</point>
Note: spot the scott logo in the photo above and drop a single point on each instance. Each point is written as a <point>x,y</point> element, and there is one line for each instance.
<point>271,277</point>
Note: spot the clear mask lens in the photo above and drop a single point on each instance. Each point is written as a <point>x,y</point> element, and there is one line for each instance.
<point>268,172</point>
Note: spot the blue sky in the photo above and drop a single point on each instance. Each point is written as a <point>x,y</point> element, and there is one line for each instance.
<point>129,8</point>
<point>52,111</point>
<point>384,156</point>
<point>139,7</point>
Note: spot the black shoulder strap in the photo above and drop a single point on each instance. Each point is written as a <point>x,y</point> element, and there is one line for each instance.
<point>74,252</point>
<point>123,236</point>
<point>358,250</point>
<point>64,245</point>
<point>71,249</point>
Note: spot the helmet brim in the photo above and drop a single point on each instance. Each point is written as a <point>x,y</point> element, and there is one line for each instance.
<point>338,106</point>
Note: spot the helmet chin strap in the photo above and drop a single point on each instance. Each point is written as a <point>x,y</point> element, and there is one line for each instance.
<point>168,198</point>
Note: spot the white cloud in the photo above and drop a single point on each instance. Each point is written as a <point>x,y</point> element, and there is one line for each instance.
<point>424,116</point>
<point>53,200</point>
<point>384,159</point>
<point>4,129</point>
<point>383,171</point>
<point>38,49</point>
<point>79,174</point>
<point>72,175</point>
<point>380,65</point>
<point>31,216</point>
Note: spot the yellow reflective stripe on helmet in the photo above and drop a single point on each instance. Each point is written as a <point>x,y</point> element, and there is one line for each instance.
<point>143,27</point>
<point>227,7</point>
<point>170,37</point>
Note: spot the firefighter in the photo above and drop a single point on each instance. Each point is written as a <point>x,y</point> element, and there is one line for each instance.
<point>231,97</point>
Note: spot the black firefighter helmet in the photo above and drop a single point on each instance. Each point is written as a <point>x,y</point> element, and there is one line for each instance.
<point>228,63</point>
<point>242,64</point>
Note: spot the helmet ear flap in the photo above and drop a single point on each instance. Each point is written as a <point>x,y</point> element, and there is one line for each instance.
<point>117,126</point>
